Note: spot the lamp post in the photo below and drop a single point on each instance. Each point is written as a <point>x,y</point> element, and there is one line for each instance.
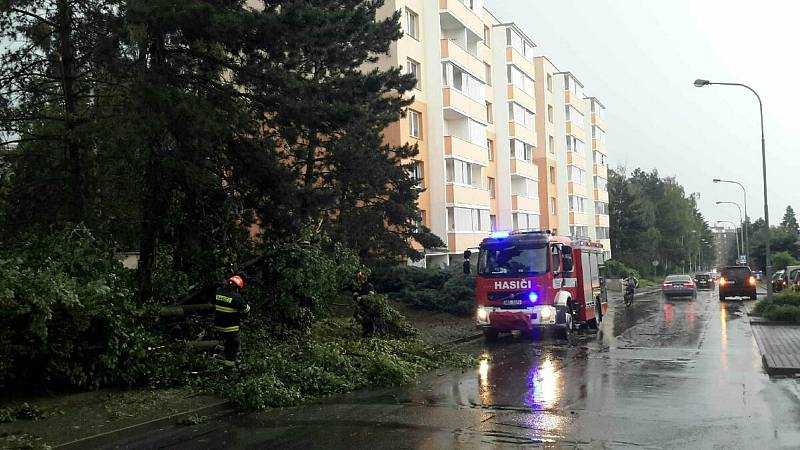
<point>745,237</point>
<point>738,250</point>
<point>701,83</point>
<point>741,222</point>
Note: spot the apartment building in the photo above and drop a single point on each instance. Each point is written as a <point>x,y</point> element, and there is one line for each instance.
<point>491,121</point>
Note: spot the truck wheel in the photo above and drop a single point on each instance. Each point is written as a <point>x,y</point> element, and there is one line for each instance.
<point>598,311</point>
<point>490,334</point>
<point>564,333</point>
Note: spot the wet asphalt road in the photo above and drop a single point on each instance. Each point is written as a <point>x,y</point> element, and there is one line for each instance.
<point>670,373</point>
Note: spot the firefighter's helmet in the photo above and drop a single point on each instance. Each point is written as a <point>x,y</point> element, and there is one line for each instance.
<point>237,280</point>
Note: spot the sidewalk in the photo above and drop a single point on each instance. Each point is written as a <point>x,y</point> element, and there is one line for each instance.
<point>778,342</point>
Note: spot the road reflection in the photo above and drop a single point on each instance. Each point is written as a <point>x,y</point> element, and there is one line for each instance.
<point>723,335</point>
<point>543,385</point>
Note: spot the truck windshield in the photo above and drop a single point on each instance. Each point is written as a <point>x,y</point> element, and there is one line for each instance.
<point>513,260</point>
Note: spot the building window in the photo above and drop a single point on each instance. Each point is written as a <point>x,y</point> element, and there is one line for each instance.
<point>553,207</point>
<point>413,68</point>
<point>601,208</point>
<point>524,187</point>
<point>574,116</point>
<point>487,36</point>
<point>491,185</point>
<point>412,24</point>
<point>579,231</point>
<point>493,222</point>
<point>600,159</point>
<point>552,175</point>
<point>550,113</point>
<point>421,222</point>
<point>577,204</point>
<point>575,145</point>
<point>490,149</point>
<point>576,174</point>
<point>468,219</point>
<point>551,142</point>
<point>524,221</point>
<point>418,173</point>
<point>520,80</point>
<point>603,233</point>
<point>599,134</point>
<point>457,78</point>
<point>549,82</point>
<point>521,150</point>
<point>600,183</point>
<point>464,173</point>
<point>489,114</point>
<point>521,115</point>
<point>488,70</point>
<point>415,123</point>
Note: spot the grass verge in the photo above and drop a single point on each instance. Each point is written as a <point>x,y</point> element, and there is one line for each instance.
<point>784,307</point>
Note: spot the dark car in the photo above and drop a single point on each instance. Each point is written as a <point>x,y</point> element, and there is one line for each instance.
<point>678,286</point>
<point>704,281</point>
<point>737,281</point>
<point>777,281</point>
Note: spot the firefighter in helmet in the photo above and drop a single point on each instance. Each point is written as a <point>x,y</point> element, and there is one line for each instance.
<point>363,287</point>
<point>229,308</point>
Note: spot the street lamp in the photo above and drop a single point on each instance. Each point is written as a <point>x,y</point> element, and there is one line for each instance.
<point>741,222</point>
<point>745,238</point>
<point>701,83</point>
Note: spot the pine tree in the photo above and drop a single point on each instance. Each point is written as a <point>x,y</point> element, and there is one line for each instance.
<point>790,221</point>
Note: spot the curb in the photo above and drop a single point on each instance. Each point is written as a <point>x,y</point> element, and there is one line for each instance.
<point>87,442</point>
<point>772,323</point>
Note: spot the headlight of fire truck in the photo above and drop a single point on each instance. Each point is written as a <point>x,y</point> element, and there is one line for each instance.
<point>483,314</point>
<point>547,313</point>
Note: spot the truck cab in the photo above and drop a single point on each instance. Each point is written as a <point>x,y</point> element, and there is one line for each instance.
<point>534,280</point>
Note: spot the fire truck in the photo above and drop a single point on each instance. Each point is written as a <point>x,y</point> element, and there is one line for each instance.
<point>532,280</point>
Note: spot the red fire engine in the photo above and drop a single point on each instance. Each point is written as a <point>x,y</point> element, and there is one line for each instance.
<point>531,280</point>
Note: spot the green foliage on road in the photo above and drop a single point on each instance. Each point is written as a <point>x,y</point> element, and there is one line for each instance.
<point>378,318</point>
<point>784,307</point>
<point>68,314</point>
<point>655,225</point>
<point>298,370</point>
<point>433,289</point>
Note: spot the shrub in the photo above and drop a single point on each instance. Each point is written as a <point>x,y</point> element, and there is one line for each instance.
<point>298,281</point>
<point>297,370</point>
<point>618,269</point>
<point>783,313</point>
<point>785,306</point>
<point>378,318</point>
<point>69,314</point>
<point>444,290</point>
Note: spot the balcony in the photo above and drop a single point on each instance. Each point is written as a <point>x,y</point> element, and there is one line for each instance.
<point>516,58</point>
<point>460,241</point>
<point>601,171</point>
<point>526,204</point>
<point>452,51</point>
<point>576,159</point>
<point>599,121</point>
<point>578,218</point>
<point>454,146</point>
<point>467,195</point>
<point>601,196</point>
<point>599,146</point>
<point>518,131</point>
<point>454,13</point>
<point>576,129</point>
<point>523,98</point>
<point>524,169</point>
<point>572,99</point>
<point>601,220</point>
<point>454,100</point>
<point>576,188</point>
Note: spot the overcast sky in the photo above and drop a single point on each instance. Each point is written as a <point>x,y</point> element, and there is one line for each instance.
<point>640,58</point>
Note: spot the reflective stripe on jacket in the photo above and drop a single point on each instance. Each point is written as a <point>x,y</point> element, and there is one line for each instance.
<point>229,307</point>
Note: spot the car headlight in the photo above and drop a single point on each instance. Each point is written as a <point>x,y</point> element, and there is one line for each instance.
<point>547,313</point>
<point>483,315</point>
